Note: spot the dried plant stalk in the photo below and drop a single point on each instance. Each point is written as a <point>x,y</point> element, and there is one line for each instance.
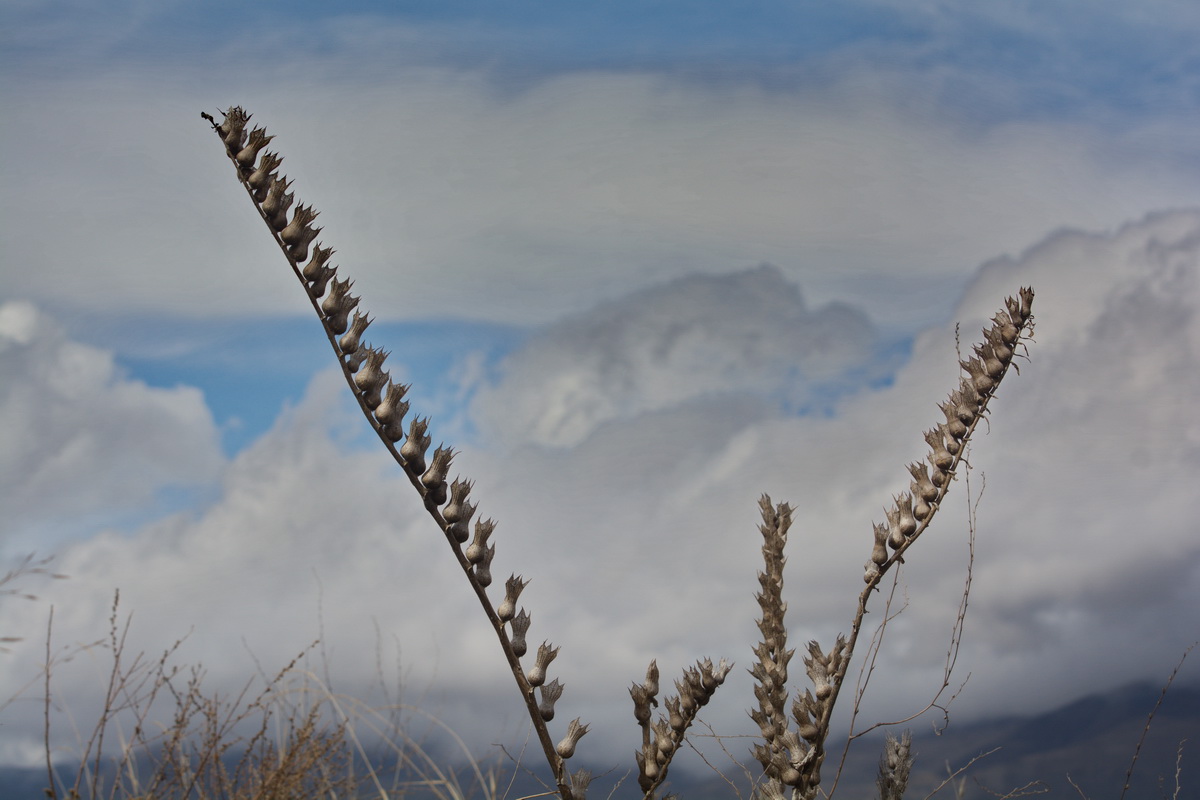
<point>794,758</point>
<point>382,403</point>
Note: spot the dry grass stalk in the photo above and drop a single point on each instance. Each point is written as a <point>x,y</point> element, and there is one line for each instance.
<point>790,758</point>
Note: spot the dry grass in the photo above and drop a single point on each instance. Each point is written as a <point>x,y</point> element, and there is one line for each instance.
<point>161,735</point>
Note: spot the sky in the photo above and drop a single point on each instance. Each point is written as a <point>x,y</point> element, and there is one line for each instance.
<point>642,263</point>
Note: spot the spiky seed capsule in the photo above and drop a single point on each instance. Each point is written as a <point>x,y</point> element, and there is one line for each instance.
<point>458,508</point>
<point>358,326</point>
<point>390,412</point>
<point>316,289</point>
<point>551,692</point>
<point>434,478</point>
<point>879,554</point>
<point>939,456</point>
<point>415,445</point>
<point>247,155</point>
<point>483,529</point>
<point>260,180</point>
<point>299,234</point>
<point>512,592</point>
<point>575,732</point>
<point>483,567</point>
<point>520,627</point>
<point>537,673</point>
<point>313,269</point>
<point>338,305</point>
<point>277,203</point>
<point>371,377</point>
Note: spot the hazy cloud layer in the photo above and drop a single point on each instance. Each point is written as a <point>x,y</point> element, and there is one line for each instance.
<point>448,195</point>
<point>641,539</point>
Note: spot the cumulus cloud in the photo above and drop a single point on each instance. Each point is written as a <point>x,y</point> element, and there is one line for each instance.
<point>641,539</point>
<point>81,438</point>
<point>745,335</point>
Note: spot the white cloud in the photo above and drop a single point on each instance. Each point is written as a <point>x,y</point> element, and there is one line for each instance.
<point>641,540</point>
<point>81,438</point>
<point>699,338</point>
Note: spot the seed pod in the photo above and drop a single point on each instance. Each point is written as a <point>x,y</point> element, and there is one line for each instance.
<point>316,289</point>
<point>299,234</point>
<point>313,269</point>
<point>390,413</point>
<point>278,201</point>
<point>415,445</point>
<point>233,129</point>
<point>483,567</point>
<point>575,732</point>
<point>880,552</point>
<point>434,478</point>
<point>483,530</point>
<point>260,180</point>
<point>537,673</point>
<point>371,377</point>
<point>512,592</point>
<point>350,342</point>
<point>458,508</point>
<point>247,155</point>
<point>550,692</point>
<point>520,627</point>
<point>955,427</point>
<point>939,456</point>
<point>908,525</point>
<point>922,486</point>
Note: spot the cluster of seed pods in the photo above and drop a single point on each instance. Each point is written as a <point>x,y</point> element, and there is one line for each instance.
<point>383,402</point>
<point>963,409</point>
<point>662,738</point>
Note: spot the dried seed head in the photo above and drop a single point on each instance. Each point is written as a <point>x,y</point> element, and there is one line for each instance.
<point>260,180</point>
<point>551,692</point>
<point>434,478</point>
<point>314,268</point>
<point>939,456</point>
<point>566,748</point>
<point>675,716</point>
<point>651,682</point>
<point>337,306</point>
<point>316,289</point>
<point>483,529</point>
<point>879,553</point>
<point>870,571</point>
<point>641,703</point>
<point>247,155</point>
<point>358,326</point>
<point>390,413</point>
<point>537,673</point>
<point>371,377</point>
<point>415,445</point>
<point>664,742</point>
<point>908,524</point>
<point>299,234</point>
<point>922,486</point>
<point>277,203</point>
<point>512,592</point>
<point>458,508</point>
<point>520,628</point>
<point>895,536</point>
<point>483,566</point>
<point>955,427</point>
<point>233,129</point>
